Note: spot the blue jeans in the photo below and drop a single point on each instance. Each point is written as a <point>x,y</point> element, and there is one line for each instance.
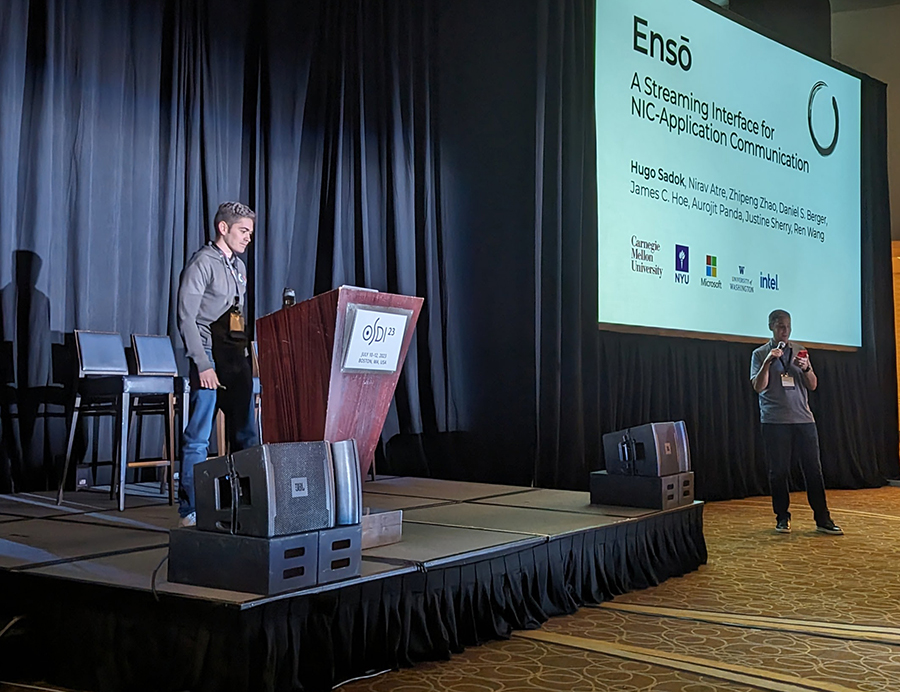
<point>242,430</point>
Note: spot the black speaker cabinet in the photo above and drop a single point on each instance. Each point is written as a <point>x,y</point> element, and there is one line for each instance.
<point>340,553</point>
<point>652,492</point>
<point>243,563</point>
<point>266,491</point>
<point>654,449</point>
<point>264,565</point>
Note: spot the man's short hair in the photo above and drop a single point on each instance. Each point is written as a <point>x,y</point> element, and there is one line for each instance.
<point>230,212</point>
<point>775,314</point>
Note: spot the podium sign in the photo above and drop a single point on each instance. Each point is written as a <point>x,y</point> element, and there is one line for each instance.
<point>374,338</point>
<point>328,366</point>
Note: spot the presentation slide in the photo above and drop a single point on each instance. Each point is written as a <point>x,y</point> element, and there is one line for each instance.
<point>728,177</point>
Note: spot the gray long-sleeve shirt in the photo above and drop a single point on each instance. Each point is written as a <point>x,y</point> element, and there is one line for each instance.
<point>209,284</point>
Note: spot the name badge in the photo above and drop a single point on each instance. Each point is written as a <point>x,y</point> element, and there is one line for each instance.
<point>787,381</point>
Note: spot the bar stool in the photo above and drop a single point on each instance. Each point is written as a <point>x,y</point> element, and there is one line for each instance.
<point>162,392</point>
<point>98,391</point>
<point>105,387</point>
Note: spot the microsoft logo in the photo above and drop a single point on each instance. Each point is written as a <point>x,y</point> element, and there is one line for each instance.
<point>711,265</point>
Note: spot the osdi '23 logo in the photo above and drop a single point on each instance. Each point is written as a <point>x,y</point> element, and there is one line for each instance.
<point>825,122</point>
<point>376,334</point>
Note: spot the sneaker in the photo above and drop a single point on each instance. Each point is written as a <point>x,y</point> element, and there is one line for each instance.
<point>783,526</point>
<point>830,528</point>
<point>188,521</point>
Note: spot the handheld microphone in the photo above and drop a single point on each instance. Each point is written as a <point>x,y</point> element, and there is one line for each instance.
<point>781,345</point>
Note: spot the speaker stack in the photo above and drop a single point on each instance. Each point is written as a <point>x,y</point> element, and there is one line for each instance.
<point>273,518</point>
<point>646,466</point>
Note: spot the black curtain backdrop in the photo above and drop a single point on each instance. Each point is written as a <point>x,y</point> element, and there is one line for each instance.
<point>566,338</point>
<point>443,149</point>
<point>706,383</point>
<point>123,126</point>
<point>586,382</point>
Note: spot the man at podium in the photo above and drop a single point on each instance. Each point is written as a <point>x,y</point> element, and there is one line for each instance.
<point>211,320</point>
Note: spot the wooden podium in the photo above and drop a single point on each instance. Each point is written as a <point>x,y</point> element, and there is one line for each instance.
<point>328,366</point>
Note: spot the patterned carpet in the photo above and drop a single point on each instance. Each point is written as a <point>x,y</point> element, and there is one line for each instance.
<point>804,611</point>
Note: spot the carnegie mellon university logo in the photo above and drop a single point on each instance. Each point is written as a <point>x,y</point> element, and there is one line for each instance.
<point>822,125</point>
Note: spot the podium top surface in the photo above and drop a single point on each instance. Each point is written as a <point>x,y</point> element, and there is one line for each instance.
<point>361,295</point>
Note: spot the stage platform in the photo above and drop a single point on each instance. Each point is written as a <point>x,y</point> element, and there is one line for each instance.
<point>476,562</point>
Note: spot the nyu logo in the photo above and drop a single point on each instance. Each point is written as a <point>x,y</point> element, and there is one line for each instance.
<point>682,263</point>
<point>682,258</point>
<point>768,281</point>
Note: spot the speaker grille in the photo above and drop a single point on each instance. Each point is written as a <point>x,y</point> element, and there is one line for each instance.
<point>303,486</point>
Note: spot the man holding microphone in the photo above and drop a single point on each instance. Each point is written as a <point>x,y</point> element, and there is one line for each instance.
<point>782,376</point>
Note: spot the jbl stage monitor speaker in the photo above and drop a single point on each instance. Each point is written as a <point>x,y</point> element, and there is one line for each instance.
<point>654,449</point>
<point>266,491</point>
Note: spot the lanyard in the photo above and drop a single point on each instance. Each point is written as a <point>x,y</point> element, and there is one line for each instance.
<point>786,364</point>
<point>234,274</point>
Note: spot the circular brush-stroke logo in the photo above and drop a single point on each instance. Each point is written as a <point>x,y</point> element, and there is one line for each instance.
<point>823,151</point>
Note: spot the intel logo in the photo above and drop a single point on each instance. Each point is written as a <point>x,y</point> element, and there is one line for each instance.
<point>768,281</point>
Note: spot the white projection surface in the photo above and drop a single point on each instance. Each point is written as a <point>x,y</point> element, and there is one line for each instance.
<point>728,177</point>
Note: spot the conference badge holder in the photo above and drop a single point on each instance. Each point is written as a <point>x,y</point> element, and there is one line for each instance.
<point>235,319</point>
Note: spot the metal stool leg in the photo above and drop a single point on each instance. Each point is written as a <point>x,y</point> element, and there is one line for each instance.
<point>167,445</point>
<point>123,448</point>
<point>137,425</point>
<point>170,443</point>
<point>65,471</point>
<point>185,416</point>
<point>116,446</point>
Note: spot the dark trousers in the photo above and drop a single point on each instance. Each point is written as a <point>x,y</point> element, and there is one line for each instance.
<point>782,442</point>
